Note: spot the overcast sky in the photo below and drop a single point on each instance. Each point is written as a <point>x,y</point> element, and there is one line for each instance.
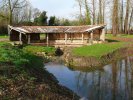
<point>59,8</point>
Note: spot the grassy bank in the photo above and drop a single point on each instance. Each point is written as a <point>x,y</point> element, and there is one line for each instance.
<point>100,54</point>
<point>3,36</point>
<point>39,49</point>
<point>97,50</point>
<point>22,76</point>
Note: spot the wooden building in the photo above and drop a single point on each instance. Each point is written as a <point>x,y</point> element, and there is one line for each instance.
<point>58,35</point>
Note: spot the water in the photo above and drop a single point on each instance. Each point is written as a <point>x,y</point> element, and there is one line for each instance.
<point>114,82</point>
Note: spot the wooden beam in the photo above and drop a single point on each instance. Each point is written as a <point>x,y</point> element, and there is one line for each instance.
<point>65,38</point>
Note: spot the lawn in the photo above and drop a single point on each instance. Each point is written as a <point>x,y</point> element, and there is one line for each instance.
<point>97,50</point>
<point>119,35</point>
<point>3,36</point>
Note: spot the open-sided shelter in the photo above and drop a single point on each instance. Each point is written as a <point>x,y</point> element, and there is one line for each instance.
<point>58,35</point>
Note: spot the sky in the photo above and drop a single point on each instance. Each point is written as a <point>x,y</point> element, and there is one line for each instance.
<point>58,8</point>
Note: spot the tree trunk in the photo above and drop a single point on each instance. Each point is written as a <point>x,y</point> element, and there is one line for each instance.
<point>88,20</point>
<point>103,15</point>
<point>121,17</point>
<point>126,18</point>
<point>94,12</point>
<point>115,23</point>
<point>10,12</point>
<point>130,21</point>
<point>100,12</point>
<point>80,8</point>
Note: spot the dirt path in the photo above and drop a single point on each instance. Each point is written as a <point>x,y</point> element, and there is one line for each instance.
<point>4,39</point>
<point>122,39</point>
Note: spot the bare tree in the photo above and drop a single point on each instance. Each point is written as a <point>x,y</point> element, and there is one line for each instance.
<point>121,17</point>
<point>126,22</point>
<point>80,4</point>
<point>87,13</point>
<point>94,11</point>
<point>12,5</point>
<point>115,22</point>
<point>103,10</point>
<point>131,18</point>
<point>35,13</point>
<point>100,12</point>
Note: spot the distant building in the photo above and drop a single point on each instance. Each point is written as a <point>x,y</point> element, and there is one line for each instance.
<point>58,35</point>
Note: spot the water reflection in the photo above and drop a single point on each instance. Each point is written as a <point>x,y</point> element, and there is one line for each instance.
<point>114,83</point>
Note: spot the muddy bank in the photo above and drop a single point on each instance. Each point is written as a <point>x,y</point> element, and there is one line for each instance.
<point>84,63</point>
<point>39,84</point>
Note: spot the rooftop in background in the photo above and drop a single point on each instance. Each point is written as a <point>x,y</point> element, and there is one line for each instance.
<point>57,29</point>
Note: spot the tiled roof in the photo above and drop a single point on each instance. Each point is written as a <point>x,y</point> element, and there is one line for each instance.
<point>57,29</point>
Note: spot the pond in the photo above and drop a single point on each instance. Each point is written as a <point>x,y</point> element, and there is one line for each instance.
<point>114,82</point>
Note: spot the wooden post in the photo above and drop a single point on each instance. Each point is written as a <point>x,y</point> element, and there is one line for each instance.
<point>29,39</point>
<point>9,33</point>
<point>20,37</point>
<point>47,40</point>
<point>65,38</point>
<point>82,37</point>
<point>102,35</point>
<point>8,30</point>
<point>91,35</point>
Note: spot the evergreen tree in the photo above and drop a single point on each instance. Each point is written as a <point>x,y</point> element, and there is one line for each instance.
<point>52,21</point>
<point>42,19</point>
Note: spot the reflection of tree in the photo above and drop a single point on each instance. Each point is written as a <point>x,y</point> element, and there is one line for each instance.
<point>126,79</point>
<point>99,84</point>
<point>120,77</point>
<point>93,86</point>
<point>91,94</point>
<point>78,82</point>
<point>90,83</point>
<point>131,65</point>
<point>114,82</point>
<point>82,81</point>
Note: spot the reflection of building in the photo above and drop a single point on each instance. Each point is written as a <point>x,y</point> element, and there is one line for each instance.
<point>58,35</point>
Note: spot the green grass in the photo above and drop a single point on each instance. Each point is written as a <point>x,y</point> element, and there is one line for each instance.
<point>36,49</point>
<point>3,43</point>
<point>119,35</point>
<point>3,36</point>
<point>127,36</point>
<point>97,50</point>
<point>18,57</point>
